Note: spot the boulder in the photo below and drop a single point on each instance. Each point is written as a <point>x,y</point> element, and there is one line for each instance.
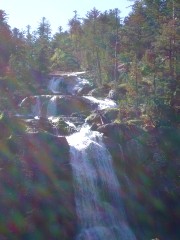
<point>100,91</point>
<point>104,116</point>
<point>118,93</point>
<point>75,85</point>
<point>111,114</point>
<point>84,90</point>
<point>67,105</point>
<point>113,94</point>
<point>43,124</point>
<point>119,132</point>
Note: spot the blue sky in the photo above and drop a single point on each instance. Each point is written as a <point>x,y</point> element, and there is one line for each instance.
<point>57,12</point>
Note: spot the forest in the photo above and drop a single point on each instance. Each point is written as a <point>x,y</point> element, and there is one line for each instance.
<point>136,62</point>
<point>137,57</point>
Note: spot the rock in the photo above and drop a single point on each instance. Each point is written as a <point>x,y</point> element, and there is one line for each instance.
<point>101,117</point>
<point>97,119</point>
<point>63,128</point>
<point>84,90</point>
<point>120,132</point>
<point>66,105</point>
<point>118,93</point>
<point>113,94</point>
<point>43,141</point>
<point>93,118</point>
<point>43,124</point>
<point>94,127</point>
<point>111,114</point>
<point>116,152</point>
<point>101,91</point>
<point>75,85</point>
<point>47,105</point>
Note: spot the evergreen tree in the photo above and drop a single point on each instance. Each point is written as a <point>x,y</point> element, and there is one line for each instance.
<point>42,47</point>
<point>5,42</point>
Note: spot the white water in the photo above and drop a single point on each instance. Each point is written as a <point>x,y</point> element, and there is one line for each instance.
<point>54,84</point>
<point>52,107</point>
<point>102,104</point>
<point>97,191</point>
<point>72,84</point>
<point>76,85</point>
<point>36,108</point>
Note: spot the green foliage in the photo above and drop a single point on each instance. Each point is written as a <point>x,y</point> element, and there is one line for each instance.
<point>5,42</point>
<point>144,49</point>
<point>64,61</point>
<point>62,126</point>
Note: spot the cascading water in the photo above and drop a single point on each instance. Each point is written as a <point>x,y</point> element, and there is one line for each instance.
<point>97,191</point>
<point>52,107</point>
<point>54,84</point>
<point>99,206</point>
<point>36,108</point>
<point>102,104</point>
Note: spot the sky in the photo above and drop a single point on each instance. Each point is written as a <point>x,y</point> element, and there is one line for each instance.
<point>21,13</point>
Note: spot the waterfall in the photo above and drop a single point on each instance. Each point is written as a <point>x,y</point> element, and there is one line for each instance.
<point>36,108</point>
<point>52,107</point>
<point>102,104</point>
<point>54,84</point>
<point>97,191</point>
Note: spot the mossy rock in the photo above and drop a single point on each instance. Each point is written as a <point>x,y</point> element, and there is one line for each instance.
<point>111,114</point>
<point>93,118</point>
<point>63,128</point>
